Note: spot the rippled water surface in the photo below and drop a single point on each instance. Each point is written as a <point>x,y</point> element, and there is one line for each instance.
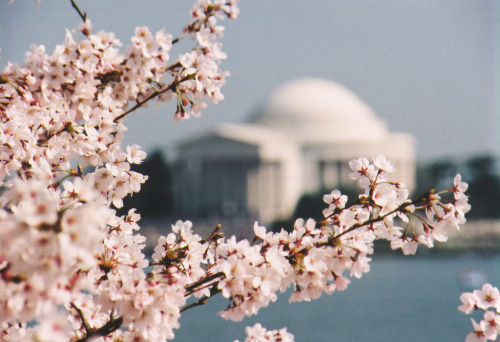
<point>401,299</point>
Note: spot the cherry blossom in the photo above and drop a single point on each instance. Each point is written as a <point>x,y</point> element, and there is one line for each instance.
<point>335,200</point>
<point>487,297</point>
<point>60,113</point>
<point>257,333</point>
<point>488,300</point>
<point>478,335</point>
<point>72,269</point>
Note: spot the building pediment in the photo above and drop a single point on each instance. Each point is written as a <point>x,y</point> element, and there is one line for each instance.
<point>214,146</point>
<point>237,141</point>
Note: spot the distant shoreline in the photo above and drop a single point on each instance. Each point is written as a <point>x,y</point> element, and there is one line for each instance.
<point>479,236</point>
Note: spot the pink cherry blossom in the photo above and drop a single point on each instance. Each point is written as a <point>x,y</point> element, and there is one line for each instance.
<point>72,269</point>
<point>487,297</point>
<point>491,323</point>
<point>478,335</point>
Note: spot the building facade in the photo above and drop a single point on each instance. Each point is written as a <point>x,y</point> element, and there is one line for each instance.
<point>299,143</point>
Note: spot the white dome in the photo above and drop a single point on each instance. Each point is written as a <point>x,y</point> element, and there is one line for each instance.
<point>316,105</point>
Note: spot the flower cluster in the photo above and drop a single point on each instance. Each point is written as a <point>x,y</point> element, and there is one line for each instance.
<point>48,238</point>
<point>72,269</point>
<point>259,334</point>
<point>319,257</point>
<point>315,257</point>
<point>488,300</point>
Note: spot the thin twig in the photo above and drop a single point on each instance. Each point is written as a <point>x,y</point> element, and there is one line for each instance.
<point>82,15</point>
<point>201,301</point>
<point>112,325</point>
<point>141,103</point>
<point>157,93</point>
<point>371,221</point>
<point>184,34</point>
<point>190,289</point>
<point>88,330</point>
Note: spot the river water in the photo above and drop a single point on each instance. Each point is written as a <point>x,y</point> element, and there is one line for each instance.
<point>407,299</point>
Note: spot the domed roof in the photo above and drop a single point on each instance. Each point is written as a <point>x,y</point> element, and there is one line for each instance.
<point>320,105</point>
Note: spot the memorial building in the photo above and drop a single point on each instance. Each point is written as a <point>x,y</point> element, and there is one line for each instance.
<point>299,143</point>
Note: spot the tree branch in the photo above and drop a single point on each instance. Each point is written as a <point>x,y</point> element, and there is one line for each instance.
<point>202,301</point>
<point>190,289</point>
<point>82,15</point>
<point>157,93</point>
<point>112,325</point>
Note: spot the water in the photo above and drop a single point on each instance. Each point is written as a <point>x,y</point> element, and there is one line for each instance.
<point>411,299</point>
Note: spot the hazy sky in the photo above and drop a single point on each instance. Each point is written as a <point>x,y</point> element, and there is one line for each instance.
<point>427,67</point>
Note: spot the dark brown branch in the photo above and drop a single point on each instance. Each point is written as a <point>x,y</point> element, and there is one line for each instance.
<point>82,318</point>
<point>374,220</point>
<point>202,301</point>
<point>420,199</point>
<point>139,104</point>
<point>190,289</point>
<point>184,34</point>
<point>112,325</point>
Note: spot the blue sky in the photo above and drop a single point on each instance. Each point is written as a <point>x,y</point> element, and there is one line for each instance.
<point>428,67</point>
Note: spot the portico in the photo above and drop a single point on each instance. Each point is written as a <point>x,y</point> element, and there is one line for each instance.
<point>299,143</point>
